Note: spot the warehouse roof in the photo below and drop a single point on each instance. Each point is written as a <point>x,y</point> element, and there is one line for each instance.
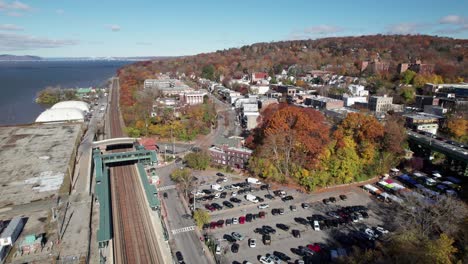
<point>60,115</point>
<point>84,107</point>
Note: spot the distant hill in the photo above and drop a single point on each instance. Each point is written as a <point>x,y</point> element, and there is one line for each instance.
<point>8,57</point>
<point>338,54</point>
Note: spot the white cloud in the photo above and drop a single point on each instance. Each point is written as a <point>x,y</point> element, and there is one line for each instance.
<point>405,28</point>
<point>323,30</point>
<point>15,42</point>
<point>453,30</point>
<point>114,28</point>
<point>10,27</point>
<point>14,5</point>
<point>14,14</point>
<point>453,19</point>
<point>59,11</point>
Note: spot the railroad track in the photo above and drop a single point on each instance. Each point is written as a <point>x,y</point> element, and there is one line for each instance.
<point>134,239</point>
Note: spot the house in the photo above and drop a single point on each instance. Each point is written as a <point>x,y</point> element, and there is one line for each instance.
<point>250,115</point>
<point>358,90</point>
<point>259,77</point>
<point>320,102</point>
<point>423,122</point>
<point>234,157</point>
<point>416,66</point>
<point>425,100</point>
<point>259,89</point>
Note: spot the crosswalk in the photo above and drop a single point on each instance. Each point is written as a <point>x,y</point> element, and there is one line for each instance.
<point>165,188</point>
<point>183,229</point>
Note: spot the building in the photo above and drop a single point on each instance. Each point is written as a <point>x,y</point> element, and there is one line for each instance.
<point>31,243</point>
<point>458,89</point>
<point>286,90</point>
<point>259,77</point>
<point>422,100</point>
<point>12,231</point>
<point>193,98</point>
<point>61,115</point>
<point>358,90</point>
<point>416,66</point>
<point>375,66</point>
<point>259,89</point>
<point>234,157</point>
<point>423,122</point>
<point>80,105</point>
<point>84,92</point>
<point>148,143</point>
<point>351,100</point>
<point>168,87</point>
<point>250,115</point>
<point>320,102</point>
<point>380,103</point>
<point>435,110</point>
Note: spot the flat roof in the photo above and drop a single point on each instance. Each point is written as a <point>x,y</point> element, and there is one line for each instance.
<point>35,159</point>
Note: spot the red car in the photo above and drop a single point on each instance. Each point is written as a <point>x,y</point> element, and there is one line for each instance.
<point>314,247</point>
<point>213,225</point>
<point>210,207</point>
<point>261,214</point>
<point>220,223</point>
<point>242,220</point>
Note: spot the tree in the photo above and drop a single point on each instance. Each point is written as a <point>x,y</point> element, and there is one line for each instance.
<point>197,160</point>
<point>441,250</point>
<point>201,217</point>
<point>458,128</point>
<point>394,140</point>
<point>408,76</point>
<point>184,177</point>
<point>208,72</point>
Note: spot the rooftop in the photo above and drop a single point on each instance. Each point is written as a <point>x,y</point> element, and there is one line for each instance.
<point>35,160</point>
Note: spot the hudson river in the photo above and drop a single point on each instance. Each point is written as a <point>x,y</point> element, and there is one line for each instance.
<point>21,81</point>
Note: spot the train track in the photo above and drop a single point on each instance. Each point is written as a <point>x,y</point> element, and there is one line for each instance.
<point>134,239</point>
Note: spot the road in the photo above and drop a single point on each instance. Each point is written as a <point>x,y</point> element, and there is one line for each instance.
<point>457,152</point>
<point>185,241</point>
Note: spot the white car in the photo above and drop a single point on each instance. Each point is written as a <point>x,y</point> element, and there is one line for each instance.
<point>382,230</point>
<point>234,194</point>
<point>235,187</point>
<point>316,225</point>
<point>217,195</point>
<point>235,221</point>
<point>266,260</point>
<point>252,243</point>
<point>218,250</point>
<point>198,193</point>
<point>370,233</point>
<point>263,206</point>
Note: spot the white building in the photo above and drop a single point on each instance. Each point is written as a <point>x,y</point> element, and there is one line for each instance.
<point>259,89</point>
<point>358,90</point>
<point>84,107</point>
<point>351,100</point>
<point>193,98</point>
<point>61,115</point>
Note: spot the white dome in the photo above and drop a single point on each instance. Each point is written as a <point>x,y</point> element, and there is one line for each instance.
<point>60,114</point>
<point>72,104</point>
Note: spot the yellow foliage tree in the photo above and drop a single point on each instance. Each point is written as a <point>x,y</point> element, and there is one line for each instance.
<point>458,127</point>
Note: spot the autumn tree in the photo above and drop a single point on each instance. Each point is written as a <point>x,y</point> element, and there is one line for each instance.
<point>184,177</point>
<point>458,128</point>
<point>198,160</point>
<point>201,217</point>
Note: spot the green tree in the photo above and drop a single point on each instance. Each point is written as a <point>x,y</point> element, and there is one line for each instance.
<point>201,217</point>
<point>408,94</point>
<point>133,132</point>
<point>408,76</point>
<point>198,160</point>
<point>184,177</point>
<point>441,250</point>
<point>208,72</point>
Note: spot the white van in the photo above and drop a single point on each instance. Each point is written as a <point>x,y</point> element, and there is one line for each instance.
<point>217,187</point>
<point>251,198</point>
<point>253,180</point>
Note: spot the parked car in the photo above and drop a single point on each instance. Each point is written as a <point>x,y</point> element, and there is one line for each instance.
<point>229,238</point>
<point>316,225</point>
<point>275,211</point>
<point>332,199</point>
<point>269,229</point>
<point>252,243</point>
<point>218,250</point>
<point>269,196</point>
<point>220,223</point>
<point>223,195</point>
<point>235,248</point>
<point>281,211</point>
<point>237,236</point>
<point>305,205</point>
<point>219,174</point>
<point>282,227</point>
<point>266,239</point>
<point>343,197</point>
<point>266,260</point>
<point>293,208</point>
<point>213,225</point>
<point>264,187</point>
<point>235,200</point>
<point>296,233</point>
<point>301,220</point>
<point>287,198</point>
<point>263,206</point>
<point>228,221</point>
<point>261,214</point>
<point>248,218</point>
<point>281,256</point>
<point>165,195</point>
<point>326,201</point>
<point>260,199</point>
<point>179,257</point>
<point>228,204</point>
<point>235,221</point>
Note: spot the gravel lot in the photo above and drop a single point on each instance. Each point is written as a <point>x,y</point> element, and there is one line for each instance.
<point>282,241</point>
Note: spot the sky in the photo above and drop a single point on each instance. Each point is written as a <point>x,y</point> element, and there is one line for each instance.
<point>105,28</point>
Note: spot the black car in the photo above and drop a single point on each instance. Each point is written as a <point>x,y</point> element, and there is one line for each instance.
<point>260,199</point>
<point>296,233</point>
<point>269,229</point>
<point>207,191</point>
<point>282,227</point>
<point>275,211</point>
<point>281,256</point>
<point>235,248</point>
<point>219,174</point>
<point>165,195</point>
<point>228,204</point>
<point>326,201</point>
<point>287,198</point>
<point>364,214</point>
<point>179,257</point>
<point>269,196</point>
<point>223,195</point>
<point>248,217</point>
<point>229,238</point>
<point>305,205</point>
<point>235,200</point>
<point>264,187</point>
<point>301,220</point>
<point>332,199</point>
<point>260,231</point>
<point>217,206</point>
<point>218,181</point>
<point>343,197</point>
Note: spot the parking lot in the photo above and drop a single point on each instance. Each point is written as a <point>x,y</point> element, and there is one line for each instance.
<point>282,241</point>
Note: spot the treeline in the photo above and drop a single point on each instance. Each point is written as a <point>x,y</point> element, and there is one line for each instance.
<point>52,95</point>
<point>295,144</point>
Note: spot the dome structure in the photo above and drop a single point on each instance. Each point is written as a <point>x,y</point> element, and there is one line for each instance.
<point>61,115</point>
<point>84,107</point>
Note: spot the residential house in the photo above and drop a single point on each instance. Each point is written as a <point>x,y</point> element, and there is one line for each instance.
<point>423,122</point>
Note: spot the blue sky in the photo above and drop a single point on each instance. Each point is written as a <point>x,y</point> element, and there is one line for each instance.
<point>75,28</point>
